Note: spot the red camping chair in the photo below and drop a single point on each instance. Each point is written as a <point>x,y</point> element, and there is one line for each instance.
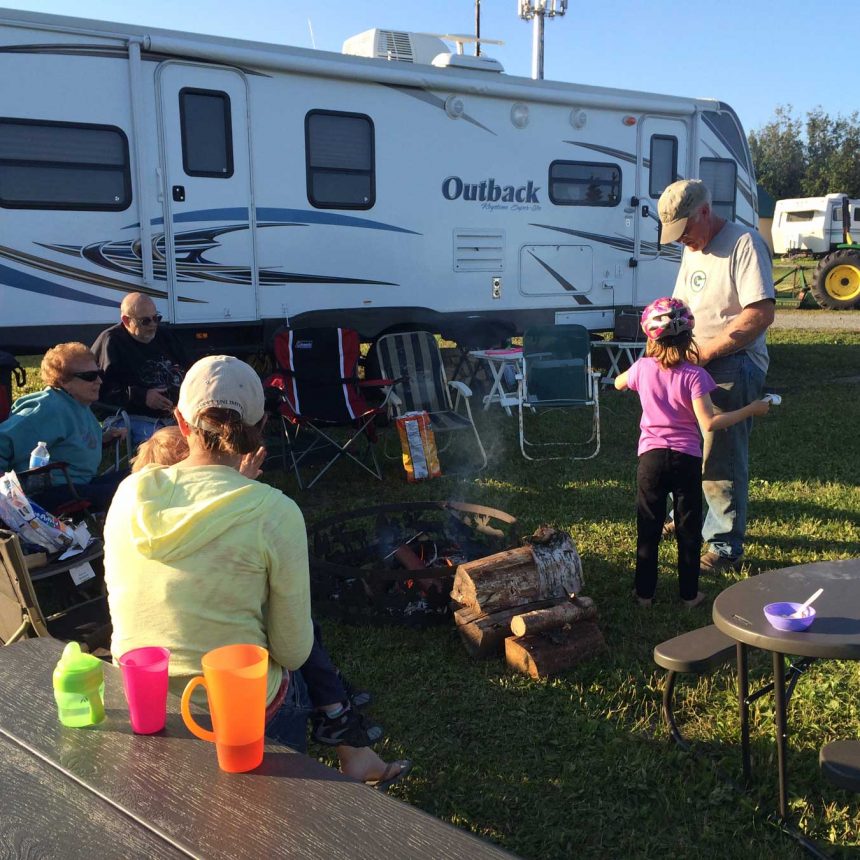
<point>319,389</point>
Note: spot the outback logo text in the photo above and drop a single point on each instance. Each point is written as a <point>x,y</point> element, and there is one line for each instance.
<point>453,188</point>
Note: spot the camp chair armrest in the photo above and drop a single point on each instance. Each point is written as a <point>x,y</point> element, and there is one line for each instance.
<point>461,387</point>
<point>53,466</point>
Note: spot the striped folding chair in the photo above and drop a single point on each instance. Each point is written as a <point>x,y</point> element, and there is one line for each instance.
<point>413,358</point>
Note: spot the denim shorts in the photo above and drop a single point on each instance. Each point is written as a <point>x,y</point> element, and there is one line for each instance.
<point>289,726</point>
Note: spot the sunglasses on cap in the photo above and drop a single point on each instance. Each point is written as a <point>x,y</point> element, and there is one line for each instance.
<point>156,318</point>
<point>89,375</point>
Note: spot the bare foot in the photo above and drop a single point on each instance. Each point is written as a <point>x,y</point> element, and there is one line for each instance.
<point>699,598</point>
<point>361,763</point>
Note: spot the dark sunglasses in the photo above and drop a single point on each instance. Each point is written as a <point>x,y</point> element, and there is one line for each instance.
<point>157,318</point>
<point>90,375</point>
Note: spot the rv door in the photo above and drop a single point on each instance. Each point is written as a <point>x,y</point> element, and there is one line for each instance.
<point>661,159</point>
<point>209,225</point>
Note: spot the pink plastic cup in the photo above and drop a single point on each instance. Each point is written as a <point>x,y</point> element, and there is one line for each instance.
<point>144,678</point>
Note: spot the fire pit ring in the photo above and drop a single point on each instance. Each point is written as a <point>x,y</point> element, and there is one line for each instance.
<point>394,564</point>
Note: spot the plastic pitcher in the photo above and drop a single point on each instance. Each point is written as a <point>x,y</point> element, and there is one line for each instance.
<point>144,678</point>
<point>234,678</point>
<point>79,687</point>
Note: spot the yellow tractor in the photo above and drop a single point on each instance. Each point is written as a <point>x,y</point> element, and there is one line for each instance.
<point>836,284</point>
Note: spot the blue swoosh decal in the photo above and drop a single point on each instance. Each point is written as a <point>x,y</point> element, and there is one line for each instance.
<point>31,284</point>
<point>266,213</point>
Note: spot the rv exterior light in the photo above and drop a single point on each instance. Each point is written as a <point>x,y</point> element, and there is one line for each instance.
<point>629,120</point>
<point>454,107</point>
<point>578,118</point>
<point>520,115</point>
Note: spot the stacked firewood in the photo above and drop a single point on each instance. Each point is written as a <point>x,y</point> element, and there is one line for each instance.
<point>526,602</point>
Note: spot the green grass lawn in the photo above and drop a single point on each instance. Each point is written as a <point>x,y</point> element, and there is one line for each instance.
<point>581,764</point>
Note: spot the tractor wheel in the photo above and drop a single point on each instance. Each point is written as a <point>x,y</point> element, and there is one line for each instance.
<point>837,280</point>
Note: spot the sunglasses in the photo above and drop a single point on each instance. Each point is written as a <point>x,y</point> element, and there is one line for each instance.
<point>157,318</point>
<point>90,375</point>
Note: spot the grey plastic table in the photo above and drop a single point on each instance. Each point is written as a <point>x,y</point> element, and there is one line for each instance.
<point>835,634</point>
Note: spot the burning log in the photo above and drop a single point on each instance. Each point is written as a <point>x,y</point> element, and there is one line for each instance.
<point>543,654</point>
<point>549,567</point>
<point>553,617</point>
<point>484,635</point>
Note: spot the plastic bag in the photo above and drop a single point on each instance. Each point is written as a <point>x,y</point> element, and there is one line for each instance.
<point>32,523</point>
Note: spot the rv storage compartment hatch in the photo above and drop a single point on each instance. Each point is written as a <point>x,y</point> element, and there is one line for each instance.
<point>553,270</point>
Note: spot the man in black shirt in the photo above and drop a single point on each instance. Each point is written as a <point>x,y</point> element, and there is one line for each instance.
<point>143,364</point>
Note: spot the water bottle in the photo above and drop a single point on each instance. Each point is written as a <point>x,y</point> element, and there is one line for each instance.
<point>39,456</point>
<point>79,688</point>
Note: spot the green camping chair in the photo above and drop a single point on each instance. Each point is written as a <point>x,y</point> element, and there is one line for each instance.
<point>556,374</point>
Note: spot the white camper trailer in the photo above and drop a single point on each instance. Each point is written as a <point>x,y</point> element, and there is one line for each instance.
<point>242,185</point>
<point>811,225</point>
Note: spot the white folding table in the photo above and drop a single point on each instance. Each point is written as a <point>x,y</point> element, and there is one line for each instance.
<point>616,350</point>
<point>497,361</point>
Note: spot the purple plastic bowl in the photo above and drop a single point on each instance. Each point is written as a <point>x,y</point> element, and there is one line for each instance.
<point>777,614</point>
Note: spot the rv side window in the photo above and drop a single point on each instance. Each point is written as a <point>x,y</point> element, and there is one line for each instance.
<point>837,214</point>
<point>664,164</point>
<point>800,215</point>
<point>339,151</point>
<point>207,133</point>
<point>720,174</point>
<point>584,183</point>
<point>63,165</point>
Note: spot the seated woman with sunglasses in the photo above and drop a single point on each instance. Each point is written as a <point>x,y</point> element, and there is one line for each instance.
<point>61,417</point>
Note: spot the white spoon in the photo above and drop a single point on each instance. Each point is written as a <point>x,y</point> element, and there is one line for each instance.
<point>798,613</point>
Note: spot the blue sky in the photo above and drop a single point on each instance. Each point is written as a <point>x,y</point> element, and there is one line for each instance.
<point>753,54</point>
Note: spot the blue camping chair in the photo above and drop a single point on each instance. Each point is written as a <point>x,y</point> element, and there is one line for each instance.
<point>557,374</point>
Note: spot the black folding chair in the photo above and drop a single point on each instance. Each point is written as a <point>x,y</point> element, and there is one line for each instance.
<point>319,390</point>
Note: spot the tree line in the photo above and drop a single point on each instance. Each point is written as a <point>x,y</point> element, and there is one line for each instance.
<point>807,158</point>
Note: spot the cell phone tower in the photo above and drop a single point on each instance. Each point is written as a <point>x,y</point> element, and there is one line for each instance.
<point>536,11</point>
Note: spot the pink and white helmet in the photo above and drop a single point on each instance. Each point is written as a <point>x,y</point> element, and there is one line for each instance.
<point>666,317</point>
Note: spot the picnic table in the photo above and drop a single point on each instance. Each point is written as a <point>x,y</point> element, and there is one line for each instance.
<point>106,792</point>
<point>835,634</point>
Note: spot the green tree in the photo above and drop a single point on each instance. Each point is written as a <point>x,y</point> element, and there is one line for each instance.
<point>807,159</point>
<point>832,154</point>
<point>779,156</point>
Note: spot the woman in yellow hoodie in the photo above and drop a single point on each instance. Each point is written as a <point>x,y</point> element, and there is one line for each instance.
<point>197,556</point>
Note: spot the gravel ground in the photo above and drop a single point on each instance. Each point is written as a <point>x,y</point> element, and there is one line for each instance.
<point>817,320</point>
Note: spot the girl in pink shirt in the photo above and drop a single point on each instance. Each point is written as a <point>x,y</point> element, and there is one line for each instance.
<point>676,404</point>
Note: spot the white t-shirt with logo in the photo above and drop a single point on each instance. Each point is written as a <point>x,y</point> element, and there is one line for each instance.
<point>733,271</point>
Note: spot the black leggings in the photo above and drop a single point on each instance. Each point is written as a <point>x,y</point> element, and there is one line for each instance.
<point>660,472</point>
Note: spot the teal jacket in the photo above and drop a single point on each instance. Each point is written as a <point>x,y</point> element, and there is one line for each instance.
<point>69,429</point>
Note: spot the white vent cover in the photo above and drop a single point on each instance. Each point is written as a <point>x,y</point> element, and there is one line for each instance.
<point>467,61</point>
<point>395,45</point>
<point>479,250</point>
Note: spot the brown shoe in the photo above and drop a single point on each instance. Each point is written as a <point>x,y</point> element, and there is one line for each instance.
<point>713,562</point>
<point>668,531</point>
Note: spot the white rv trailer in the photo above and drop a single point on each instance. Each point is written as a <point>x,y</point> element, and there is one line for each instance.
<point>811,225</point>
<point>242,185</point>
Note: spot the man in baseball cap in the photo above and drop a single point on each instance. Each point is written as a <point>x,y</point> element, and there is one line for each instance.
<point>726,279</point>
<point>679,203</point>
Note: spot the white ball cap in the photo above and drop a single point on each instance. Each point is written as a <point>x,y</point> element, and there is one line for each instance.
<point>222,382</point>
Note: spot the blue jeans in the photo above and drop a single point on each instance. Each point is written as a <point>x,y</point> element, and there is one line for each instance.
<point>725,467</point>
<point>290,724</point>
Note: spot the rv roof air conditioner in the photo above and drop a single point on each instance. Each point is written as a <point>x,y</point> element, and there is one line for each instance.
<point>420,48</point>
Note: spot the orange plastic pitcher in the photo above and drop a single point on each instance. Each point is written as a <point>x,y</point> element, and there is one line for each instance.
<point>234,678</point>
